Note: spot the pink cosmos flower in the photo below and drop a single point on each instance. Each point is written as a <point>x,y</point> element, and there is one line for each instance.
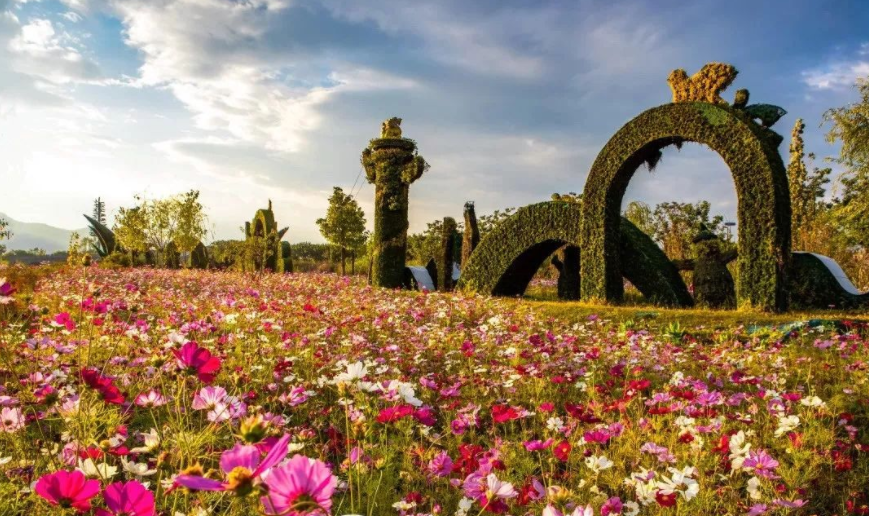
<point>6,291</point>
<point>761,463</point>
<point>11,419</point>
<point>441,465</point>
<point>127,499</point>
<point>612,506</point>
<point>151,398</point>
<point>65,320</point>
<point>197,361</point>
<point>68,489</point>
<point>578,511</point>
<point>300,487</point>
<point>242,466</point>
<point>489,491</point>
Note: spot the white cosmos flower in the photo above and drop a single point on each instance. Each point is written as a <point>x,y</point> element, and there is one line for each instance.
<point>92,470</point>
<point>598,463</point>
<point>354,372</point>
<point>137,469</point>
<point>753,488</point>
<point>786,424</point>
<point>813,401</point>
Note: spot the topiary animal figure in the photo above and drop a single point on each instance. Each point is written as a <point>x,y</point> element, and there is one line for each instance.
<point>391,128</point>
<point>740,99</point>
<point>713,284</point>
<point>704,86</point>
<point>766,113</point>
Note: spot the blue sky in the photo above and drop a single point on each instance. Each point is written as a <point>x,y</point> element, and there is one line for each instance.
<point>250,100</point>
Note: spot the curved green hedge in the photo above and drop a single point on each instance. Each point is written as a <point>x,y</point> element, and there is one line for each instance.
<point>764,212</point>
<point>813,286</point>
<point>509,255</point>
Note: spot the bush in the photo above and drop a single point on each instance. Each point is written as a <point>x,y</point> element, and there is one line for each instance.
<point>116,260</point>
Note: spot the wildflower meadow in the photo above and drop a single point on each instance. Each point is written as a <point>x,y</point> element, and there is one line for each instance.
<point>144,392</point>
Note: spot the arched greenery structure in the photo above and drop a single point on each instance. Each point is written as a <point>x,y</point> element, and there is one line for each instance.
<point>264,247</point>
<point>508,257</point>
<point>764,213</point>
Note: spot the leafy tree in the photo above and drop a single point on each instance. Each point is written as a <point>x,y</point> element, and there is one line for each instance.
<point>5,233</point>
<point>641,215</point>
<point>677,223</point>
<point>850,128</point>
<point>344,225</point>
<point>155,223</point>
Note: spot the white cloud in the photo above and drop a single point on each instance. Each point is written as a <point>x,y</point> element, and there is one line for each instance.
<point>211,56</point>
<point>839,74</point>
<point>38,50</point>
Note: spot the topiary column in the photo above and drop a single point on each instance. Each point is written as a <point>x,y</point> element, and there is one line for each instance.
<point>447,257</point>
<point>392,163</point>
<point>471,235</point>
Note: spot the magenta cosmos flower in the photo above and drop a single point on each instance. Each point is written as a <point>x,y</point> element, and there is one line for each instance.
<point>127,499</point>
<point>198,361</point>
<point>302,486</point>
<point>761,463</point>
<point>242,466</point>
<point>68,489</point>
<point>6,291</point>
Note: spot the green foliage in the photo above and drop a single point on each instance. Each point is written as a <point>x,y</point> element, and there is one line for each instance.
<point>806,192</point>
<point>226,253</point>
<point>261,250</point>
<point>5,233</point>
<point>116,260</point>
<point>509,256</point>
<point>199,257</point>
<point>761,185</point>
<point>77,250</point>
<point>344,225</point>
<point>673,224</point>
<point>392,164</point>
<point>151,225</point>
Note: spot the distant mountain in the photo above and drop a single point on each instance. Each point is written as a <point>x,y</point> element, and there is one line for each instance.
<point>27,235</point>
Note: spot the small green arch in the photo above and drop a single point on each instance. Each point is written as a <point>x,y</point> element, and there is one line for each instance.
<point>507,258</point>
<point>763,212</point>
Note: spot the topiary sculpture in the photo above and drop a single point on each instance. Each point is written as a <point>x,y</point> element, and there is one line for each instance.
<point>391,163</point>
<point>750,152</point>
<point>471,235</point>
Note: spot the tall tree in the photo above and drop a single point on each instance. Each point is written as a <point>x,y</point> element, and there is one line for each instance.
<point>344,224</point>
<point>850,128</point>
<point>797,176</point>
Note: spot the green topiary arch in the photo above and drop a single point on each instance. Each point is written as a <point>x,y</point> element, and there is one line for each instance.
<point>764,213</point>
<point>508,257</point>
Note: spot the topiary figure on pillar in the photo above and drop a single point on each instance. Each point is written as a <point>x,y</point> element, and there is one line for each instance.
<point>447,256</point>
<point>391,163</point>
<point>471,235</point>
<point>713,284</point>
<point>566,261</point>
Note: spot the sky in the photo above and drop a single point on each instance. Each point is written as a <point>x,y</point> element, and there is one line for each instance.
<point>509,101</point>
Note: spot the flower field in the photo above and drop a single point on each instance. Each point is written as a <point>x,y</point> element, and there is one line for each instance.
<point>142,392</point>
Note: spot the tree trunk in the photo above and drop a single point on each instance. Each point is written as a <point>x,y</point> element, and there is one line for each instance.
<point>353,262</point>
<point>343,259</point>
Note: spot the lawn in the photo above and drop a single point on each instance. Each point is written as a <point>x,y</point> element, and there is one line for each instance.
<point>193,392</point>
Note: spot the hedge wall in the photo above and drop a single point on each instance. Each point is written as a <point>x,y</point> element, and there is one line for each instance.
<point>392,164</point>
<point>813,286</point>
<point>764,212</point>
<point>509,256</point>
